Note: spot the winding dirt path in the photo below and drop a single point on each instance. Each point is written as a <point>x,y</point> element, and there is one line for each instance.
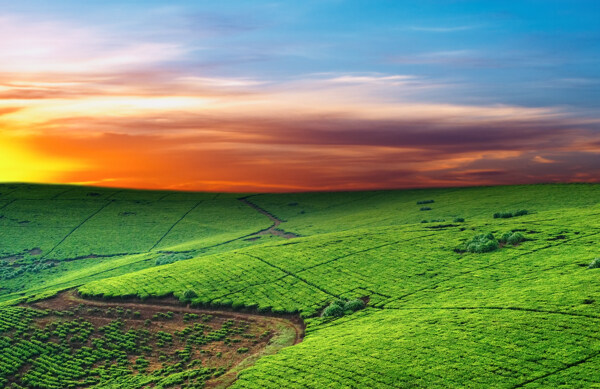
<point>273,230</point>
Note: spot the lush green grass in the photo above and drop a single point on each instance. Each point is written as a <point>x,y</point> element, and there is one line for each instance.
<point>524,314</point>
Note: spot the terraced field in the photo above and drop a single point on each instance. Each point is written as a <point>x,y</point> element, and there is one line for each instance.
<point>474,287</point>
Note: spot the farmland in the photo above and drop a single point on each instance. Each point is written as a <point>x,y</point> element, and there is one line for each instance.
<point>478,287</point>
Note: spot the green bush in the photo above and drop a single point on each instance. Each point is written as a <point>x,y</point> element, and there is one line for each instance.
<point>515,238</point>
<point>354,305</point>
<point>482,243</point>
<point>333,310</point>
<point>425,202</point>
<point>459,220</point>
<point>189,295</point>
<point>511,238</point>
<point>595,264</point>
<point>425,209</point>
<point>340,307</point>
<point>506,215</point>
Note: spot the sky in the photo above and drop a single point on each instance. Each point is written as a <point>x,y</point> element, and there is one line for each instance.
<point>279,96</point>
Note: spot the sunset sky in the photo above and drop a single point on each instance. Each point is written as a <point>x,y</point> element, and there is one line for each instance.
<point>299,95</point>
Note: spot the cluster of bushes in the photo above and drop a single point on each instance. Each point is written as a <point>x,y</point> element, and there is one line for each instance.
<point>506,215</point>
<point>483,243</point>
<point>425,202</point>
<point>341,307</point>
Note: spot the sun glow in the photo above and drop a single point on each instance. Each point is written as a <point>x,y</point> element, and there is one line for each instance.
<point>19,163</point>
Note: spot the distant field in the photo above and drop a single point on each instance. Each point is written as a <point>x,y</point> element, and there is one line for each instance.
<point>440,312</point>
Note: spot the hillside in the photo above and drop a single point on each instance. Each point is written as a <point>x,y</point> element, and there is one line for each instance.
<point>440,312</point>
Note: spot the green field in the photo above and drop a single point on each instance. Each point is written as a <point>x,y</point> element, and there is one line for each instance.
<point>439,313</point>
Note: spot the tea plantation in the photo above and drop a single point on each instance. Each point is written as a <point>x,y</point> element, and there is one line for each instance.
<point>487,287</point>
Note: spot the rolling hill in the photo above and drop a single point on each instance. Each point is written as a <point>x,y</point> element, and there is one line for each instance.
<point>461,287</point>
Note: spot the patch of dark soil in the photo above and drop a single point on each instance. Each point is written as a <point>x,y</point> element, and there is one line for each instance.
<point>252,239</point>
<point>35,251</point>
<point>68,299</point>
<point>440,226</point>
<point>558,237</point>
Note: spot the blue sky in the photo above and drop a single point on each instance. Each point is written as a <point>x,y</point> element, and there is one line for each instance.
<point>533,53</point>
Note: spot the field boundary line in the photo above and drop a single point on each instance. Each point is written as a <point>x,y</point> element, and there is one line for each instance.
<point>292,274</point>
<point>492,308</point>
<point>114,193</point>
<point>566,367</point>
<point>76,227</point>
<point>174,224</point>
<point>362,251</point>
<point>251,286</point>
<point>7,204</point>
<point>55,197</point>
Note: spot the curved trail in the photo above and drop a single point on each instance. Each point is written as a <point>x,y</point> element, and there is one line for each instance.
<point>68,299</point>
<point>288,329</point>
<point>273,230</point>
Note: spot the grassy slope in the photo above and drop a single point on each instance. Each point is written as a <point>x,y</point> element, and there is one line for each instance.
<point>519,316</point>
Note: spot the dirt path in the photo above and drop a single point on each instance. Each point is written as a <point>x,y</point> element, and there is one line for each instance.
<point>273,230</point>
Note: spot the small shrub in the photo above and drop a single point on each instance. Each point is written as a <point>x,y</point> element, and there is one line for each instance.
<point>459,220</point>
<point>425,209</point>
<point>425,202</point>
<point>354,305</point>
<point>340,307</point>
<point>242,350</point>
<point>515,238</point>
<point>595,264</point>
<point>511,238</point>
<point>506,215</point>
<point>333,310</point>
<point>482,243</point>
<point>189,295</point>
